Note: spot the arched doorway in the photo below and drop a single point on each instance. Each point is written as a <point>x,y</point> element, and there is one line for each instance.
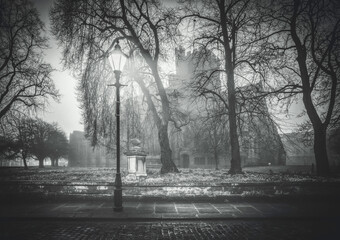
<point>185,161</point>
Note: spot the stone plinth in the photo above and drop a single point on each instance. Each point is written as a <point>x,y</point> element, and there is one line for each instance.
<point>136,159</point>
<point>137,165</point>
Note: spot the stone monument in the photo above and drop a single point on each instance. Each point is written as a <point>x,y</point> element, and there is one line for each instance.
<point>136,159</point>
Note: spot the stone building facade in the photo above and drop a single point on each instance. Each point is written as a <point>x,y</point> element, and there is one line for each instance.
<point>260,142</point>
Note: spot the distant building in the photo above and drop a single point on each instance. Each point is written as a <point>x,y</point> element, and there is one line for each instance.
<point>260,143</point>
<point>82,154</point>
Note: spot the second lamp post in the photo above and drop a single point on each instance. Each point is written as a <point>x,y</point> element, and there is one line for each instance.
<point>117,61</point>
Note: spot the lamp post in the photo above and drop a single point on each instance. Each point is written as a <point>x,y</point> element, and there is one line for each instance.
<point>117,61</point>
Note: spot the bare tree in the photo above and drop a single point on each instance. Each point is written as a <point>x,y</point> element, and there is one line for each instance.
<point>26,137</point>
<point>23,139</point>
<point>220,26</point>
<point>25,80</point>
<point>57,145</point>
<point>39,131</point>
<point>89,29</point>
<point>304,44</point>
<point>16,138</point>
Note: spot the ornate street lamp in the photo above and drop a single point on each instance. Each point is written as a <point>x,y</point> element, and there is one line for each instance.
<point>117,61</point>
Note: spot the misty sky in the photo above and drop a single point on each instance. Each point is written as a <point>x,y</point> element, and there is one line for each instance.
<point>67,113</point>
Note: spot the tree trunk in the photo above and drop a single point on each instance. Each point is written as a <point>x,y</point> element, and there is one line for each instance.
<point>24,159</point>
<point>235,164</point>
<point>320,147</point>
<point>41,163</point>
<point>319,128</point>
<point>56,162</point>
<point>52,162</point>
<point>161,122</point>
<point>215,148</point>
<point>25,162</point>
<point>166,153</point>
<point>216,159</point>
<point>320,151</point>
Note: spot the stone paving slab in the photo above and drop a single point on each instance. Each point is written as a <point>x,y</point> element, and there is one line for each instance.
<point>170,210</point>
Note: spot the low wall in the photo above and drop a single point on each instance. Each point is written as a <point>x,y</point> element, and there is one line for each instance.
<point>16,190</point>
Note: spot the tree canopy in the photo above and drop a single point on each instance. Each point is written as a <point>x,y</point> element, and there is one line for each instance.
<point>25,79</point>
<point>33,138</point>
<point>88,30</point>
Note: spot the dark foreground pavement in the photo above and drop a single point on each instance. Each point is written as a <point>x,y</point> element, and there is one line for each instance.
<point>227,229</point>
<point>170,220</point>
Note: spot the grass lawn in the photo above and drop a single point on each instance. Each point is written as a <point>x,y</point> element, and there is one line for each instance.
<point>187,177</point>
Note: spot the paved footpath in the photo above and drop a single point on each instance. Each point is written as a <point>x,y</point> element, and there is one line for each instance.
<point>170,220</point>
<point>145,211</point>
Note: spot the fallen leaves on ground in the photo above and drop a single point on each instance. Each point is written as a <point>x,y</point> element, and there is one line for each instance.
<point>186,177</point>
